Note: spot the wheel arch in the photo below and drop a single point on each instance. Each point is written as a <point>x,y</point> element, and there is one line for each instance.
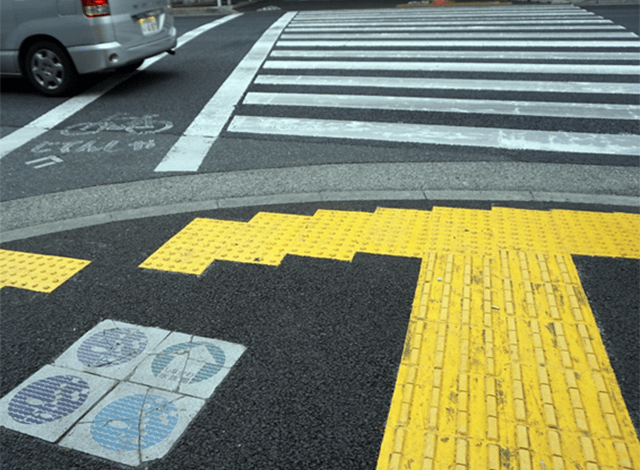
<point>30,41</point>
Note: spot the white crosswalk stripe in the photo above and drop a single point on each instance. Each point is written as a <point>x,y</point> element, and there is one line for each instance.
<point>524,108</point>
<point>562,63</point>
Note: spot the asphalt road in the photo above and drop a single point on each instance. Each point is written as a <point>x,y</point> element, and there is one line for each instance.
<point>172,93</point>
<point>324,338</point>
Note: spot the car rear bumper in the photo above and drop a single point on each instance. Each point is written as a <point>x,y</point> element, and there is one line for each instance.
<point>110,55</point>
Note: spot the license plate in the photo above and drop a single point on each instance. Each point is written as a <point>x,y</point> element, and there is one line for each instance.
<point>148,25</point>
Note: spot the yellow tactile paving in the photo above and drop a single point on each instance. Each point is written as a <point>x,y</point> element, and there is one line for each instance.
<point>332,234</point>
<point>397,232</point>
<point>503,366</point>
<point>597,234</point>
<point>41,273</point>
<point>268,237</point>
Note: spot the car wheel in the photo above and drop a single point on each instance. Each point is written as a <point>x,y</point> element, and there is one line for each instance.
<point>49,69</point>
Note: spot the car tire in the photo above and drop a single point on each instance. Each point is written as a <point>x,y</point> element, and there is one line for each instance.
<point>130,67</point>
<point>50,69</point>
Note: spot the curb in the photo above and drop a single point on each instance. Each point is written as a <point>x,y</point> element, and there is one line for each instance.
<point>522,182</point>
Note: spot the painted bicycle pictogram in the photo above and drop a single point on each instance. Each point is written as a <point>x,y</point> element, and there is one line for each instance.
<point>147,124</point>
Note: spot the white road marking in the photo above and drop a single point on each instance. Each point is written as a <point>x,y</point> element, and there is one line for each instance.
<point>451,84</point>
<point>596,22</point>
<point>455,43</point>
<point>54,117</point>
<point>455,67</point>
<point>455,54</point>
<point>567,142</point>
<point>473,27</point>
<point>52,160</point>
<point>453,13</point>
<point>459,35</point>
<point>189,151</point>
<point>445,105</point>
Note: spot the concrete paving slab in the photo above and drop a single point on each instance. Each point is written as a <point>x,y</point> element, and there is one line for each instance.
<point>188,364</point>
<point>134,424</point>
<point>52,400</point>
<point>111,349</point>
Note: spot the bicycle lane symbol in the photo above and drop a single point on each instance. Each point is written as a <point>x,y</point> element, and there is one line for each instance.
<point>122,122</point>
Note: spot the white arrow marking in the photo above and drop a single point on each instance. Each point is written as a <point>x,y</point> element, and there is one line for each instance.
<point>53,161</point>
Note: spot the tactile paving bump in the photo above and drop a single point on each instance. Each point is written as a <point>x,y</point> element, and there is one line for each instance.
<point>503,366</point>
<point>41,273</point>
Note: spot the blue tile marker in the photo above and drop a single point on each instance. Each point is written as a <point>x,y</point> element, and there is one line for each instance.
<point>134,424</point>
<point>187,364</point>
<point>49,399</point>
<point>112,347</point>
<point>121,392</point>
<point>164,359</point>
<point>135,421</point>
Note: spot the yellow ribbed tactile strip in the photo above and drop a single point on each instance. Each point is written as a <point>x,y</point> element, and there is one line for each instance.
<point>41,273</point>
<point>503,366</point>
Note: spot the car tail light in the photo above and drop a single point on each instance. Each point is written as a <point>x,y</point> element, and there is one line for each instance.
<point>96,8</point>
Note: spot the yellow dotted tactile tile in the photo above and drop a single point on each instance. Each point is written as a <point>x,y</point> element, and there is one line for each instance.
<point>396,232</point>
<point>333,235</point>
<point>503,364</point>
<point>41,273</point>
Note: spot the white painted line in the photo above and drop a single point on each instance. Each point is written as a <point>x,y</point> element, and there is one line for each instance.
<point>467,27</point>
<point>190,150</point>
<point>445,105</point>
<point>133,424</point>
<point>455,67</point>
<point>455,54</point>
<point>443,36</point>
<point>111,349</point>
<point>187,153</point>
<point>413,15</point>
<point>595,21</point>
<point>188,364</point>
<point>52,118</point>
<point>189,36</point>
<point>503,7</point>
<point>568,142</point>
<point>444,13</point>
<point>52,400</point>
<point>51,160</point>
<point>463,43</point>
<point>451,84</point>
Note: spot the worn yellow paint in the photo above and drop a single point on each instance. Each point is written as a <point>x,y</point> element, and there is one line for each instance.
<point>41,273</point>
<point>503,365</point>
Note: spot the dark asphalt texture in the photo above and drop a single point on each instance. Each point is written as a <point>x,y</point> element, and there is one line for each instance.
<point>612,287</point>
<point>324,339</point>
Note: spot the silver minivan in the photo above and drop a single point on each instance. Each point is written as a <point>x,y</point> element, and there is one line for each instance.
<point>51,42</point>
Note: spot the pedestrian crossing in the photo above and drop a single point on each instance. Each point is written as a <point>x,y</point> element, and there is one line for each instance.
<point>538,78</point>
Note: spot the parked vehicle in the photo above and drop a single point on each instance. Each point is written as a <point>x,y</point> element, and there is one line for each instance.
<point>52,42</point>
